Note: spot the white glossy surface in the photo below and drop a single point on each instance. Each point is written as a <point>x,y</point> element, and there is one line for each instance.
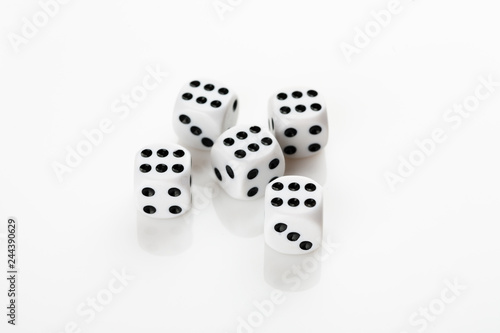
<point>394,250</point>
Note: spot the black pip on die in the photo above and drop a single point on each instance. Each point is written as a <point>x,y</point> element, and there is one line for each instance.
<point>203,110</point>
<point>162,182</point>
<point>293,215</point>
<point>299,120</point>
<point>245,159</point>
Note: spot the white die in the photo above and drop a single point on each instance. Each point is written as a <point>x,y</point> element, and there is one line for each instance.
<point>298,118</point>
<point>293,215</point>
<point>162,181</point>
<point>203,110</point>
<point>245,159</point>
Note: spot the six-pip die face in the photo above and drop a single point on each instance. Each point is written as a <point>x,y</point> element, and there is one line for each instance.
<point>293,215</point>
<point>163,181</point>
<point>203,110</point>
<point>298,118</point>
<point>245,159</point>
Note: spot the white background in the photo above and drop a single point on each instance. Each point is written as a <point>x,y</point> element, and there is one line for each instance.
<point>394,249</point>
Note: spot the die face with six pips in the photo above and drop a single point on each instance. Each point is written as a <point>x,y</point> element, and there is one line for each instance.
<point>162,182</point>
<point>298,118</point>
<point>203,110</point>
<point>293,215</point>
<point>245,159</point>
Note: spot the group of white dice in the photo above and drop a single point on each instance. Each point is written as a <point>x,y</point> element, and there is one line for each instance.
<point>248,160</point>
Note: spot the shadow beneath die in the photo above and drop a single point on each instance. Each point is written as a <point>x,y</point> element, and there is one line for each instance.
<point>313,167</point>
<point>244,218</point>
<point>204,187</point>
<point>201,162</point>
<point>164,237</point>
<point>292,272</point>
<point>201,165</point>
